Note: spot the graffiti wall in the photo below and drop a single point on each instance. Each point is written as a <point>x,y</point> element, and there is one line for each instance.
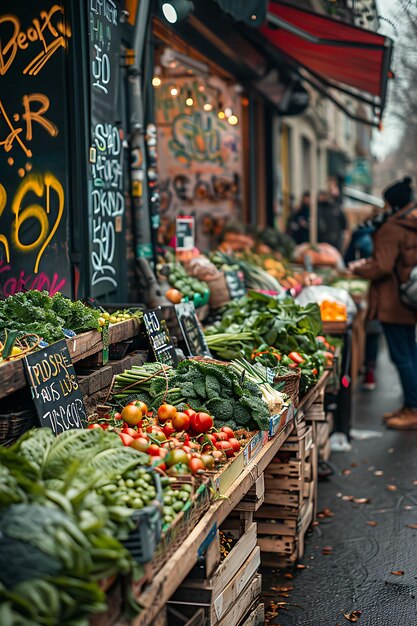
<point>200,157</point>
<point>34,37</point>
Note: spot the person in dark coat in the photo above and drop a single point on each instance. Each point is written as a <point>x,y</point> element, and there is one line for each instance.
<point>299,226</point>
<point>395,254</point>
<point>331,221</point>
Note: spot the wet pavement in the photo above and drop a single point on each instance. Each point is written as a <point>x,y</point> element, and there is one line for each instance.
<point>351,554</point>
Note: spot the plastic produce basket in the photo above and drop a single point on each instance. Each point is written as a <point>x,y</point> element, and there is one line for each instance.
<point>144,538</point>
<point>186,519</point>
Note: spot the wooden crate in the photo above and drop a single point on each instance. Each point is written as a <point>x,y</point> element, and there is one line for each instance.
<point>243,603</point>
<point>254,498</point>
<point>256,616</point>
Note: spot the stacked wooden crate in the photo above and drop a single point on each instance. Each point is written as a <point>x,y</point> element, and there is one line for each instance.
<point>230,594</point>
<point>322,425</point>
<point>289,501</point>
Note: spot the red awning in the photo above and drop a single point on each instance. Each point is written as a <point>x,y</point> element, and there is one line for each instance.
<point>354,60</point>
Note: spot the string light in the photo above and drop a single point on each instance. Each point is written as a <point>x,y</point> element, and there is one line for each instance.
<point>233,120</point>
<point>221,115</point>
<point>156,81</point>
<point>207,106</point>
<point>228,111</point>
<point>189,101</point>
<point>174,91</point>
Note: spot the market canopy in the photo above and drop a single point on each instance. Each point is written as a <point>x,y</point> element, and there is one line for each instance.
<point>331,53</point>
<point>252,12</point>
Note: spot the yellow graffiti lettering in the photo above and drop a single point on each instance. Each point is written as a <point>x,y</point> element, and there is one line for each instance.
<point>3,238</point>
<point>42,30</point>
<point>42,188</point>
<point>10,48</point>
<point>14,134</point>
<point>37,116</point>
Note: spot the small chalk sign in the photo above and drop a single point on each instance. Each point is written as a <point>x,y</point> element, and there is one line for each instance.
<point>159,337</point>
<point>236,283</point>
<point>55,389</point>
<point>191,329</point>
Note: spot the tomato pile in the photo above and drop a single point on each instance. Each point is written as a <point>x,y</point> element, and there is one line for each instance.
<point>178,442</point>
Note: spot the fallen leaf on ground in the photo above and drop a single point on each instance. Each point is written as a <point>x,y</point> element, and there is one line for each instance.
<point>327,550</point>
<point>300,566</point>
<point>353,465</point>
<point>408,507</point>
<point>288,575</point>
<point>361,500</point>
<point>415,482</point>
<point>414,526</point>
<point>378,473</point>
<point>339,495</point>
<point>347,498</point>
<point>372,523</point>
<point>346,472</point>
<point>315,523</point>
<point>282,588</point>
<point>391,450</point>
<point>391,487</point>
<point>354,616</point>
<point>398,572</point>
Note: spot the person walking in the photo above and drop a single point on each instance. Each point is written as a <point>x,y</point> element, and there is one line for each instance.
<point>331,221</point>
<point>299,225</point>
<point>394,256</point>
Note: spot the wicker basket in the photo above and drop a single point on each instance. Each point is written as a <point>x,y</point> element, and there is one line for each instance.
<point>290,382</point>
<point>185,521</point>
<point>13,425</point>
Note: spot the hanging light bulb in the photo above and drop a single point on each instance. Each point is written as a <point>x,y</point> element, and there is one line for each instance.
<point>189,101</point>
<point>174,91</point>
<point>207,106</point>
<point>177,10</point>
<point>233,120</point>
<point>220,113</point>
<point>156,81</point>
<point>228,111</point>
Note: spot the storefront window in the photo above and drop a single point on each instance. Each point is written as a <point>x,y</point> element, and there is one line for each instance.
<point>198,117</point>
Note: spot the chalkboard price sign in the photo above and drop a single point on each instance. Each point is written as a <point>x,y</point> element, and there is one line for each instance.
<point>159,337</point>
<point>236,283</point>
<point>191,329</point>
<point>55,389</point>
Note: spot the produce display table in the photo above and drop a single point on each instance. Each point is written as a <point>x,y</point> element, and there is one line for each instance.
<point>165,583</point>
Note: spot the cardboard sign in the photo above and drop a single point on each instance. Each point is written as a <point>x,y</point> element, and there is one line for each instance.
<point>191,329</point>
<point>235,283</point>
<point>55,390</point>
<point>159,337</point>
<point>184,230</point>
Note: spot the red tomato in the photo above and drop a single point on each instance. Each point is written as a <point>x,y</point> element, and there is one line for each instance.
<point>226,447</point>
<point>208,460</point>
<point>221,436</point>
<point>131,432</point>
<point>201,422</point>
<point>168,429</point>
<point>190,412</point>
<point>187,449</point>
<point>229,432</point>
<point>166,412</point>
<point>163,452</point>
<point>157,433</point>
<point>181,421</point>
<point>157,461</point>
<point>140,444</point>
<point>117,416</point>
<point>91,426</point>
<point>104,426</point>
<point>217,455</point>
<point>127,439</point>
<point>235,444</point>
<point>196,465</point>
<point>153,449</point>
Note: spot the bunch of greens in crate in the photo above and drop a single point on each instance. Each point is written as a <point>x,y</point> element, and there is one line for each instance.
<point>217,389</point>
<point>59,533</point>
<point>261,319</point>
<point>36,312</point>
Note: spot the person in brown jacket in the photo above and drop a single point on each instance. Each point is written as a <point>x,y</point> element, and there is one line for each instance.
<point>395,254</point>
